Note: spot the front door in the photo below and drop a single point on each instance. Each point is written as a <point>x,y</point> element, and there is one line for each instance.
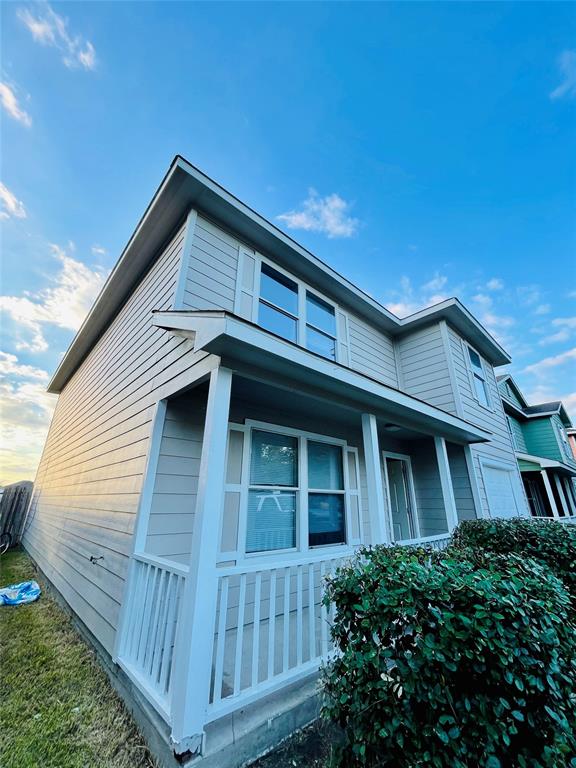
<point>402,511</point>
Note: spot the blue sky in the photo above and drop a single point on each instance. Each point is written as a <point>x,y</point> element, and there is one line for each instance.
<point>423,150</point>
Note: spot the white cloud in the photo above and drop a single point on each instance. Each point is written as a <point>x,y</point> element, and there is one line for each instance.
<point>97,250</point>
<point>543,367</point>
<point>495,284</point>
<point>528,295</point>
<point>437,283</point>
<point>10,103</point>
<point>565,322</point>
<point>49,28</point>
<point>567,67</point>
<point>25,410</point>
<point>10,204</point>
<point>64,303</point>
<point>542,309</point>
<point>9,366</point>
<point>328,215</point>
<point>483,300</point>
<point>554,338</point>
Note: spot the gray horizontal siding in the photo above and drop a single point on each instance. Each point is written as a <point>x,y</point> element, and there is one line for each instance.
<point>461,482</point>
<point>212,269</point>
<point>372,352</point>
<point>89,480</point>
<point>493,419</point>
<point>424,367</point>
<point>173,503</point>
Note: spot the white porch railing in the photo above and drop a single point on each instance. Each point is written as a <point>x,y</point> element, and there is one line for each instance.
<point>271,628</point>
<point>440,541</point>
<point>147,649</point>
<point>567,520</point>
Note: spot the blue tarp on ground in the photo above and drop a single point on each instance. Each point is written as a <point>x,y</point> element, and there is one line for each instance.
<point>19,594</point>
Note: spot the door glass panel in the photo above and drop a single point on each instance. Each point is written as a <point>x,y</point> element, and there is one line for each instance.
<point>400,505</point>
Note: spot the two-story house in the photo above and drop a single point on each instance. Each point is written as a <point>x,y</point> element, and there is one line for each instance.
<point>234,419</point>
<point>541,438</point>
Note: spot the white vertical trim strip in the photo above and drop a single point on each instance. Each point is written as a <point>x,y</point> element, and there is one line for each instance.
<point>473,478</point>
<point>376,506</point>
<point>195,636</point>
<point>561,495</point>
<point>549,493</point>
<point>446,483</point>
<point>444,333</point>
<point>569,495</point>
<point>189,233</point>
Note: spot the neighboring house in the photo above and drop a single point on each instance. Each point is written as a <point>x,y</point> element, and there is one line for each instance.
<point>571,432</point>
<point>541,436</point>
<point>235,419</point>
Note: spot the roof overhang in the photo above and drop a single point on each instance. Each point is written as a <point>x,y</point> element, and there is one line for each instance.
<point>544,463</point>
<point>185,187</point>
<point>242,344</point>
<point>508,378</point>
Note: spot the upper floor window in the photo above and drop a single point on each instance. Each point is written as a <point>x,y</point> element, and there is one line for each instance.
<point>291,310</point>
<point>512,433</point>
<point>278,305</point>
<point>479,378</point>
<point>565,446</point>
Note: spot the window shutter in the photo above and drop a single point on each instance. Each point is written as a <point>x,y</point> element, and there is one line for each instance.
<point>343,339</point>
<point>231,512</point>
<point>245,284</point>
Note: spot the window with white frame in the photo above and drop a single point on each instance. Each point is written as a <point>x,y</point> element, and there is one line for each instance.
<point>565,446</point>
<point>289,309</point>
<point>512,433</point>
<point>478,378</point>
<point>296,492</point>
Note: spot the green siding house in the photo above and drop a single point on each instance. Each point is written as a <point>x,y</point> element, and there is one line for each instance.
<point>541,438</point>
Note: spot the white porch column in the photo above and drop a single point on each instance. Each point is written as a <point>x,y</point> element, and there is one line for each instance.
<point>551,499</point>
<point>568,487</point>
<point>446,483</point>
<point>376,506</point>
<point>561,495</point>
<point>193,648</point>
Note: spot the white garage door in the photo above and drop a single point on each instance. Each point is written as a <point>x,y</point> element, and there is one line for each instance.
<point>500,491</point>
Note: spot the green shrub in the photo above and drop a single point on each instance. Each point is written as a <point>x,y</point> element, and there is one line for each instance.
<point>451,660</point>
<point>549,542</point>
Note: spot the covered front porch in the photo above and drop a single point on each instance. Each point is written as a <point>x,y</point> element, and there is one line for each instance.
<point>550,488</point>
<point>258,486</point>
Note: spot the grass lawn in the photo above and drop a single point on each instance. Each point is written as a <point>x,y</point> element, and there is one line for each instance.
<point>57,708</point>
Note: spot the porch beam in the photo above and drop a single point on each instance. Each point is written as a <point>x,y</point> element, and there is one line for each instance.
<point>568,487</point>
<point>446,483</point>
<point>376,504</point>
<point>549,493</point>
<point>195,635</point>
<point>561,495</point>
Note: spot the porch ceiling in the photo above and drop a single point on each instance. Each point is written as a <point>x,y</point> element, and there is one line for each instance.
<point>258,354</point>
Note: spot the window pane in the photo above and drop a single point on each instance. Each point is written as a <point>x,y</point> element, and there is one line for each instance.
<point>277,322</point>
<point>326,519</point>
<point>320,343</point>
<point>278,289</point>
<point>325,466</point>
<point>274,459</point>
<point>475,360</point>
<point>481,392</point>
<point>271,520</point>
<point>320,314</point>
